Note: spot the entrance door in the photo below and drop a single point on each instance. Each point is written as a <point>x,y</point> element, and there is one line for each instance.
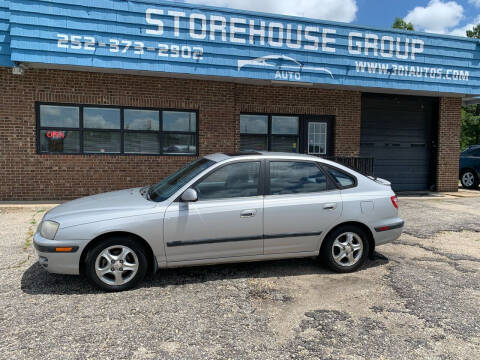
<point>317,135</point>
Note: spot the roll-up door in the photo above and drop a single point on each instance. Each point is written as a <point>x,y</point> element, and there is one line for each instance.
<point>399,132</point>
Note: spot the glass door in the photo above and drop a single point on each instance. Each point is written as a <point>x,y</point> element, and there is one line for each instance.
<point>317,138</point>
<point>317,135</point>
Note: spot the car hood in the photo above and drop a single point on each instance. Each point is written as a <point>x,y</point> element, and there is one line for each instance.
<point>101,207</point>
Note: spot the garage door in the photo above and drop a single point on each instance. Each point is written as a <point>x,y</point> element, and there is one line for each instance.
<point>398,132</point>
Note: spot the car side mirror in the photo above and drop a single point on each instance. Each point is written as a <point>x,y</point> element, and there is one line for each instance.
<point>190,195</point>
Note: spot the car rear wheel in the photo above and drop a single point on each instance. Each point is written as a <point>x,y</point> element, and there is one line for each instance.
<point>345,249</point>
<point>116,264</point>
<point>469,179</point>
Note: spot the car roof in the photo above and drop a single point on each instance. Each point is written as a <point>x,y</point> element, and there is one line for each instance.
<point>470,149</point>
<point>220,157</point>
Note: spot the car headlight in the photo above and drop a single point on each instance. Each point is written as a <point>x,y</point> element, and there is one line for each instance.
<point>48,229</point>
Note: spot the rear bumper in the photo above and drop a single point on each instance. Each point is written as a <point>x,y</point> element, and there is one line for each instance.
<point>57,256</point>
<point>388,231</point>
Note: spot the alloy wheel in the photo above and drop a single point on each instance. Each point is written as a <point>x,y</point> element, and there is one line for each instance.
<point>347,249</point>
<point>116,265</point>
<point>468,179</point>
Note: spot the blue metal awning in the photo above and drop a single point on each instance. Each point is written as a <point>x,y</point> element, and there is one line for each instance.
<point>184,39</point>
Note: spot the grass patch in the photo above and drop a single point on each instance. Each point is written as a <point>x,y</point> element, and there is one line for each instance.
<point>31,230</point>
<point>28,240</point>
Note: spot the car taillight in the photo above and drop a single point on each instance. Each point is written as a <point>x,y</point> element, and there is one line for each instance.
<point>395,201</point>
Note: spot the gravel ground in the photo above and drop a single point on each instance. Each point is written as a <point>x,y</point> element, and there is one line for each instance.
<point>419,299</point>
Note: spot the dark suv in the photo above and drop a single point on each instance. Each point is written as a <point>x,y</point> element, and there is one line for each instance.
<point>470,167</point>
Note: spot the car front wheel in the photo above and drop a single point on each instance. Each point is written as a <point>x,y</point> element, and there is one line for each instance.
<point>116,264</point>
<point>345,249</point>
<point>469,179</point>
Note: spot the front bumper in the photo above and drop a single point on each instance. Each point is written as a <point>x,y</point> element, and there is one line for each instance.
<point>57,256</point>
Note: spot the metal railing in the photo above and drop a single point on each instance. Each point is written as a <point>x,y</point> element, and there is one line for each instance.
<point>362,165</point>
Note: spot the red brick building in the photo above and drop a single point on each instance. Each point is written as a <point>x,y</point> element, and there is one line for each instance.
<point>69,130</point>
<point>27,174</point>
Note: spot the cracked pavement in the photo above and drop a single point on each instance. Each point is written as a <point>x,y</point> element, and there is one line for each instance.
<point>418,299</point>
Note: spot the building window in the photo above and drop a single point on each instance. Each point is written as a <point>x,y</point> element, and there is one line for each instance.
<point>253,132</point>
<point>284,133</point>
<point>102,132</point>
<point>179,129</point>
<point>142,128</point>
<point>267,132</point>
<point>115,130</point>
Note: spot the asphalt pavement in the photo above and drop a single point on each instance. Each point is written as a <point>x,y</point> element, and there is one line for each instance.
<point>419,299</point>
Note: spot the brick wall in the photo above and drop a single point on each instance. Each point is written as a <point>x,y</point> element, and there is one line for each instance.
<point>25,175</point>
<point>448,144</point>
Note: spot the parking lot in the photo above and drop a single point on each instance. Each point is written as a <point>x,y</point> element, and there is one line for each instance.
<point>419,299</point>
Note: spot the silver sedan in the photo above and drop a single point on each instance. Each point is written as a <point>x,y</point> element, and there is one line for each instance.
<point>221,209</point>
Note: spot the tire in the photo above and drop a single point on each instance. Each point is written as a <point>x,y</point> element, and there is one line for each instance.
<point>106,264</point>
<point>344,239</point>
<point>469,179</point>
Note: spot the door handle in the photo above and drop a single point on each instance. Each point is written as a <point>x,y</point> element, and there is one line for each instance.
<point>331,206</point>
<point>248,213</point>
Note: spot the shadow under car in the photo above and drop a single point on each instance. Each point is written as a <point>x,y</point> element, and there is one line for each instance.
<point>37,281</point>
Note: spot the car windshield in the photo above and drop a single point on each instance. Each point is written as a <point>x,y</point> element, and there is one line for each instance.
<point>169,186</point>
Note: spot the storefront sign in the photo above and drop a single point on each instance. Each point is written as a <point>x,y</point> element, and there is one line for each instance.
<point>55,135</point>
<point>186,39</point>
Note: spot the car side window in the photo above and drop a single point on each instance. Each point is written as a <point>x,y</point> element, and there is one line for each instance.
<point>475,153</point>
<point>342,179</point>
<point>289,177</point>
<point>236,180</point>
